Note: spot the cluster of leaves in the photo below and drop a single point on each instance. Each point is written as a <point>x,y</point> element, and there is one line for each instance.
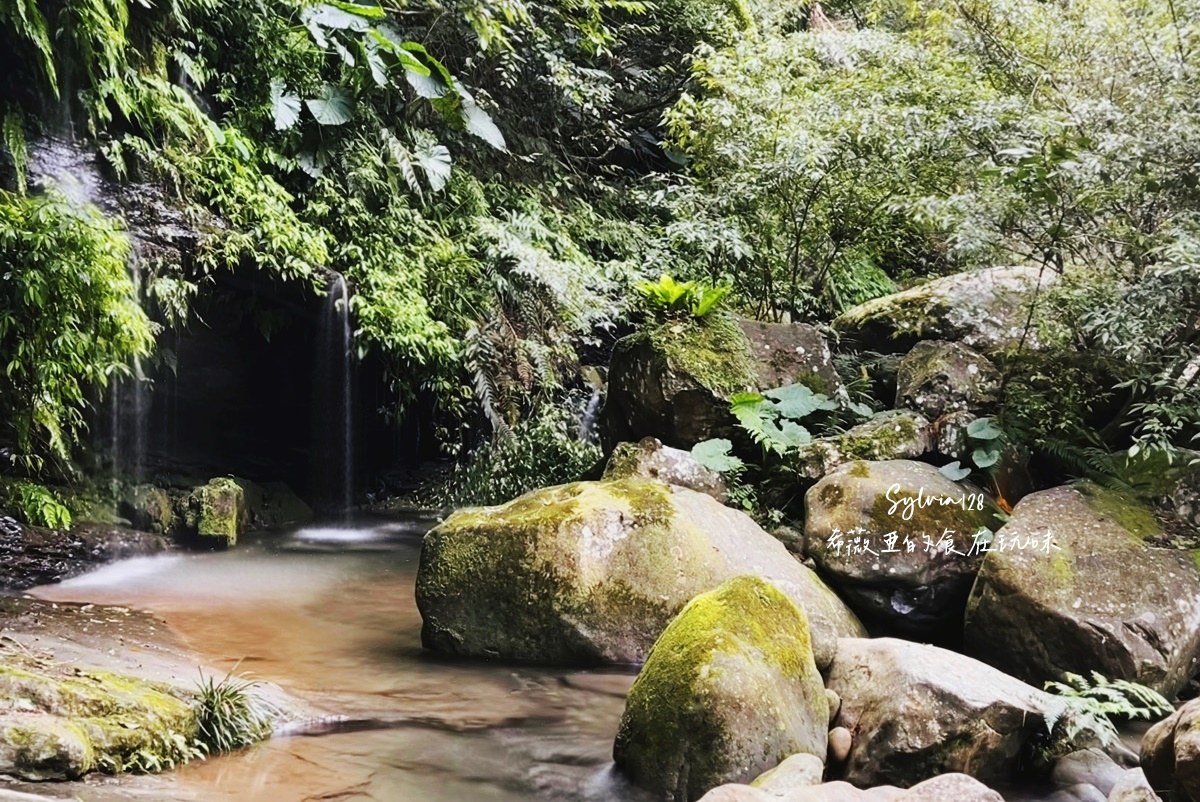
<point>69,321</point>
<point>1084,708</point>
<point>36,504</point>
<point>540,451</point>
<point>228,715</point>
<point>986,440</point>
<point>668,298</point>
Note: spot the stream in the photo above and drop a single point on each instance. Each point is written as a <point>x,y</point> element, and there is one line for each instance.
<point>328,613</point>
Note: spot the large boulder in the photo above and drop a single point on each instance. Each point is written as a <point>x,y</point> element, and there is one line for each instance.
<point>650,459</point>
<point>729,690</point>
<point>898,539</point>
<point>918,711</point>
<point>59,724</point>
<point>1171,754</point>
<point>216,514</point>
<point>674,381</point>
<point>1070,584</point>
<point>950,788</point>
<point>1133,787</point>
<point>592,572</point>
<point>151,509</point>
<point>894,434</point>
<point>936,378</point>
<point>986,310</point>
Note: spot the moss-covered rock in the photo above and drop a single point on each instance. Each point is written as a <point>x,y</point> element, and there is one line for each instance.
<point>592,572</point>
<point>272,505</point>
<point>918,711</point>
<point>936,378</point>
<point>59,723</point>
<point>898,539</point>
<point>895,434</point>
<point>151,509</point>
<point>674,381</point>
<point>1099,598</point>
<point>650,459</point>
<point>216,514</point>
<point>729,690</point>
<point>986,310</point>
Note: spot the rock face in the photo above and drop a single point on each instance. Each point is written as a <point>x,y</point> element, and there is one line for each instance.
<point>592,572</point>
<point>151,509</point>
<point>273,505</point>
<point>673,382</point>
<point>650,459</point>
<point>985,310</point>
<point>936,378</point>
<point>922,583</point>
<point>729,690</point>
<point>1103,600</point>
<point>894,434</point>
<point>918,711</point>
<point>57,726</point>
<point>217,513</point>
<point>1171,753</point>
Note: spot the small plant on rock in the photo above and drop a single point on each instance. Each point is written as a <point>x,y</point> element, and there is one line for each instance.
<point>228,715</point>
<point>674,299</point>
<point>1086,710</point>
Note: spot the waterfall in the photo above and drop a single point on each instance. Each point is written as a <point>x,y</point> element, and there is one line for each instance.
<point>591,412</point>
<point>334,438</point>
<point>129,406</point>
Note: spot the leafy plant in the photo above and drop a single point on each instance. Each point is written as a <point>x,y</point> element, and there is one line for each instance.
<point>986,441</point>
<point>670,298</point>
<point>1088,708</point>
<point>228,715</point>
<point>39,506</point>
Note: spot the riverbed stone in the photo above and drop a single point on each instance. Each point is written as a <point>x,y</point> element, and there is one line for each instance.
<point>893,434</point>
<point>650,459</point>
<point>592,572</point>
<point>986,310</point>
<point>937,377</point>
<point>59,723</point>
<point>1100,598</point>
<point>217,513</point>
<point>1170,754</point>
<point>921,585</point>
<point>674,381</point>
<point>796,771</point>
<point>729,690</point>
<point>950,788</point>
<point>918,711</point>
<point>1091,766</point>
<point>1133,787</point>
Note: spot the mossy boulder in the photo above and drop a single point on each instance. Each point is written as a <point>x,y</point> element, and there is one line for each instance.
<point>272,505</point>
<point>918,711</point>
<point>216,513</point>
<point>59,723</point>
<point>650,459</point>
<point>674,381</point>
<point>592,572</point>
<point>1099,598</point>
<point>898,540</point>
<point>986,310</point>
<point>729,690</point>
<point>895,434</point>
<point>937,378</point>
<point>151,509</point>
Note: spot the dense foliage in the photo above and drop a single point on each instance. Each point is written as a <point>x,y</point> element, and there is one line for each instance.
<point>495,179</point>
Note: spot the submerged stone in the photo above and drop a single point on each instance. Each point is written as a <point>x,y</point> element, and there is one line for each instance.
<point>592,572</point>
<point>729,690</point>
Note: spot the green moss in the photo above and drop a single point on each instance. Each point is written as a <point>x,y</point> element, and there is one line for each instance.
<point>668,725</point>
<point>623,463</point>
<point>218,511</point>
<point>713,350</point>
<point>1120,508</point>
<point>932,519</point>
<point>815,382</point>
<point>860,470</point>
<point>878,439</point>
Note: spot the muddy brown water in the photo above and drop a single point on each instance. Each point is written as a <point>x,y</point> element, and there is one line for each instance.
<point>328,613</point>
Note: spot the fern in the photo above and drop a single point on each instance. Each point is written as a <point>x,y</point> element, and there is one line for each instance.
<point>1084,708</point>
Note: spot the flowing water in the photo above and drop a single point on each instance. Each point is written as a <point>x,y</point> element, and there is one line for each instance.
<point>334,409</point>
<point>328,612</point>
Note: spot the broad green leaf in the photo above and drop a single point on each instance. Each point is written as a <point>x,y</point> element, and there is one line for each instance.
<point>955,471</point>
<point>434,159</point>
<point>331,17</point>
<point>983,429</point>
<point>480,123</point>
<point>715,455</point>
<point>793,435</point>
<point>379,73</point>
<point>333,106</point>
<point>797,402</point>
<point>285,107</point>
<point>369,12</point>
<point>985,458</point>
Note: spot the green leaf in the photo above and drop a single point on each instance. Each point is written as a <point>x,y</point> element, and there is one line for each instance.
<point>332,16</point>
<point>285,107</point>
<point>955,471</point>
<point>715,455</point>
<point>983,429</point>
<point>480,123</point>
<point>333,106</point>
<point>434,159</point>
<point>985,458</point>
<point>797,401</point>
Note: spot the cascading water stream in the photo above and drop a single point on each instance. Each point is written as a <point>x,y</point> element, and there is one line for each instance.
<point>335,407</point>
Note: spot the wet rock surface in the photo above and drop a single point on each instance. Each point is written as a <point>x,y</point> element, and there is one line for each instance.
<point>31,555</point>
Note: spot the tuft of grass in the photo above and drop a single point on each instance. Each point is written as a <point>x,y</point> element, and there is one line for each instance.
<point>228,715</point>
